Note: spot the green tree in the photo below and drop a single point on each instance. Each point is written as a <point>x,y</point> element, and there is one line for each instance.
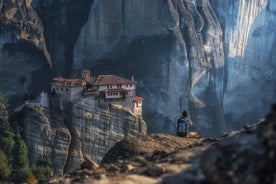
<point>43,167</point>
<point>4,100</point>
<point>5,170</point>
<point>3,104</point>
<point>7,142</point>
<point>20,161</point>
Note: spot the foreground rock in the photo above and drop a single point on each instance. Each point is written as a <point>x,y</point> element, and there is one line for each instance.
<point>142,158</point>
<point>246,156</point>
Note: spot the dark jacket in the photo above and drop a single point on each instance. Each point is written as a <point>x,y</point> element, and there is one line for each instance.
<point>183,126</point>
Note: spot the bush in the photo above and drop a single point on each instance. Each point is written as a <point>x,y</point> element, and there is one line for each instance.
<point>43,167</point>
<point>5,170</point>
<point>21,175</point>
<point>14,162</point>
<point>4,100</point>
<point>7,142</point>
<point>20,161</point>
<point>43,173</point>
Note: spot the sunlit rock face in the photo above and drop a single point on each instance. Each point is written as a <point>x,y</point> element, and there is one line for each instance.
<point>25,20</point>
<point>212,57</point>
<point>249,28</point>
<point>174,48</point>
<point>71,132</point>
<point>24,57</point>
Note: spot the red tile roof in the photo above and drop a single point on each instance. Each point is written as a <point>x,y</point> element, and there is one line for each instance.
<point>67,82</point>
<point>138,99</point>
<point>112,80</point>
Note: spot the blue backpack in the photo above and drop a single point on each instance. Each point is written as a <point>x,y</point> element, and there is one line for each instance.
<point>182,127</point>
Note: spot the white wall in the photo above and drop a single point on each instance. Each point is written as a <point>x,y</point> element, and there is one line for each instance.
<point>125,86</point>
<point>116,95</point>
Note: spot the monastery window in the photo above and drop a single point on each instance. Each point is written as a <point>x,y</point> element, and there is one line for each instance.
<point>119,85</point>
<point>61,89</point>
<point>67,89</point>
<point>130,85</point>
<point>127,85</point>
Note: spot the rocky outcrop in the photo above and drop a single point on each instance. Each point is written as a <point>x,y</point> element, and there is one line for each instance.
<point>176,40</point>
<point>139,158</point>
<point>208,56</point>
<point>23,51</point>
<point>249,29</point>
<point>245,156</point>
<point>248,158</point>
<point>44,137</point>
<point>71,133</point>
<point>21,15</point>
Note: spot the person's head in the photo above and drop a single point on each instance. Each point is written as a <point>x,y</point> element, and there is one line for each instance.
<point>185,114</point>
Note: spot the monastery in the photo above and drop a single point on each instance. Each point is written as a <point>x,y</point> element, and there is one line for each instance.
<point>108,88</point>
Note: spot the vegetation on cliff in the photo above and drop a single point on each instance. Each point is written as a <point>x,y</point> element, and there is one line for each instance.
<point>43,167</point>
<point>14,162</point>
<point>3,103</point>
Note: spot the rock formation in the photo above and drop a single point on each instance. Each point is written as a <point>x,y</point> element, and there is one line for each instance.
<point>25,20</point>
<point>245,156</point>
<point>71,133</point>
<point>249,37</point>
<point>210,56</point>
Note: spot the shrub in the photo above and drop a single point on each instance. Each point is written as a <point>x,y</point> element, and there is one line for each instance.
<point>7,141</point>
<point>20,161</point>
<point>5,170</point>
<point>4,100</point>
<point>43,167</point>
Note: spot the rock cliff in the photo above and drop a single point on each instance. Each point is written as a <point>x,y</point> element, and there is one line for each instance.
<point>210,56</point>
<point>20,15</point>
<point>173,42</point>
<point>249,37</point>
<point>245,156</point>
<point>71,133</point>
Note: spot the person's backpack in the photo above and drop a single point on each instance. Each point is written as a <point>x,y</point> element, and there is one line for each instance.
<point>182,127</point>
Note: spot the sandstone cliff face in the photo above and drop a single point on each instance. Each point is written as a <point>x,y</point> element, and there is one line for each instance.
<point>249,36</point>
<point>174,43</point>
<point>23,50</point>
<point>26,21</point>
<point>209,56</point>
<point>72,132</point>
<point>244,156</point>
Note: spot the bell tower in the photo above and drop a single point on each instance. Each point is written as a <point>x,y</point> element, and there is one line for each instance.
<point>85,74</point>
